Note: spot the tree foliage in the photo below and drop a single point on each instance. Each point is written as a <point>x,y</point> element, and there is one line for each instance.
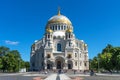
<point>108,59</point>
<point>10,60</point>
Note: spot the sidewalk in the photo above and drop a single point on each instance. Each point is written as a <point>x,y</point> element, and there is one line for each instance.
<point>106,74</point>
<point>96,74</point>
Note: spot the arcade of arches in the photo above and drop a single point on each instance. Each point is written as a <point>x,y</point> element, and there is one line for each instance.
<point>59,63</point>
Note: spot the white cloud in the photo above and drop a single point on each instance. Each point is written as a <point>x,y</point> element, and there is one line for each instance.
<point>11,42</point>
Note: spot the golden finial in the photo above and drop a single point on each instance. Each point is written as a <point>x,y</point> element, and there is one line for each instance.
<point>59,11</point>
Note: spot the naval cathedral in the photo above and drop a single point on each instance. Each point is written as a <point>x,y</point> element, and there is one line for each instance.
<point>59,48</point>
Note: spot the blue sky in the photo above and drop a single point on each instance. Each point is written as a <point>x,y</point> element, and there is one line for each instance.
<point>97,22</point>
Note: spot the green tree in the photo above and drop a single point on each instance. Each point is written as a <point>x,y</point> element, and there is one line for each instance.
<point>1,63</point>
<point>4,50</point>
<point>9,59</point>
<point>116,58</point>
<point>94,63</point>
<point>10,62</point>
<point>107,49</point>
<point>109,59</point>
<point>22,64</point>
<point>105,61</point>
<point>27,65</point>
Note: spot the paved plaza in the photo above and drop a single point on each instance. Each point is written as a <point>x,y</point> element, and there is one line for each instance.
<point>55,76</point>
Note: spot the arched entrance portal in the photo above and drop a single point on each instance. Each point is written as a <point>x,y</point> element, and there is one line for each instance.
<point>59,62</point>
<point>49,64</point>
<point>70,64</point>
<point>59,66</point>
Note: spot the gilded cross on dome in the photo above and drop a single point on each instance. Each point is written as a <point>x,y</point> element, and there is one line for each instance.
<point>59,11</point>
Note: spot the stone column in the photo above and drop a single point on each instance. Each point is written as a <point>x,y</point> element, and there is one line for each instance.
<point>54,65</point>
<point>74,65</point>
<point>57,27</point>
<point>60,27</point>
<point>66,65</point>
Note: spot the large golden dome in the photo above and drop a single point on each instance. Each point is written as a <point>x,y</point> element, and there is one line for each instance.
<point>59,19</point>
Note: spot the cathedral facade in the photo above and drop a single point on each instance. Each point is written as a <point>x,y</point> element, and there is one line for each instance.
<point>59,48</point>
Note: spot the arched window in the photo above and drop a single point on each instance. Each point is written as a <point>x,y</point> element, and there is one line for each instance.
<point>58,47</point>
<point>58,27</point>
<point>85,64</point>
<point>75,54</point>
<point>62,27</point>
<point>48,36</point>
<point>69,35</point>
<point>53,28</point>
<point>75,63</point>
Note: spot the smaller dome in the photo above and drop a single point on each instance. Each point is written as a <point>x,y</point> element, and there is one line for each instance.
<point>69,30</point>
<point>33,45</point>
<point>85,44</point>
<point>49,30</point>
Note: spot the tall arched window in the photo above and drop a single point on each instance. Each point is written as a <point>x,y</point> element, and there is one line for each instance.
<point>69,35</point>
<point>75,54</point>
<point>58,27</point>
<point>53,28</point>
<point>48,36</point>
<point>58,47</point>
<point>75,63</point>
<point>62,27</point>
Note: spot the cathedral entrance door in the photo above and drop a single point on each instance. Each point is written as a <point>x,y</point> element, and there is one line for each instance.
<point>48,66</point>
<point>69,66</point>
<point>59,65</point>
<point>59,61</point>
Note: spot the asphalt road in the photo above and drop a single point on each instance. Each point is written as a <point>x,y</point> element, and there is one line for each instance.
<point>16,77</point>
<point>84,78</point>
<point>29,76</point>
